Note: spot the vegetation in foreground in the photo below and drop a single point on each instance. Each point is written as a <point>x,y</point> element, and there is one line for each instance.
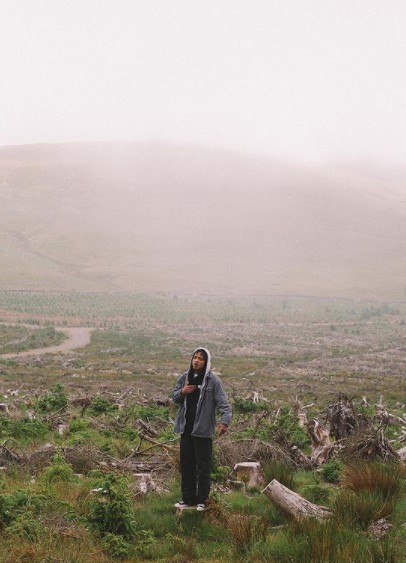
<point>71,489</point>
<point>76,431</point>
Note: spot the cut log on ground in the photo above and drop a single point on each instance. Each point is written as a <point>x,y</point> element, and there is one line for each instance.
<point>293,505</point>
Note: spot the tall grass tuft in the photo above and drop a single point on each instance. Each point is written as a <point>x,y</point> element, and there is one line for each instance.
<point>245,530</point>
<point>360,509</point>
<point>312,541</point>
<point>318,541</point>
<point>281,471</point>
<point>384,479</point>
<point>185,546</point>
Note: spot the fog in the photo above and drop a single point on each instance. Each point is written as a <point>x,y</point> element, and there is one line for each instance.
<point>309,81</point>
<point>152,217</point>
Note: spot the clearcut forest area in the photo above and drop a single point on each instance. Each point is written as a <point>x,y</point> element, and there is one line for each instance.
<point>89,468</point>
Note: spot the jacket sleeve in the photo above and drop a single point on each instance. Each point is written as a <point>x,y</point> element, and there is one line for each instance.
<point>177,397</point>
<point>222,404</point>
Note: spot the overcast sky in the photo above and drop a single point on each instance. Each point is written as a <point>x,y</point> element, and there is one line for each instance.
<point>298,79</point>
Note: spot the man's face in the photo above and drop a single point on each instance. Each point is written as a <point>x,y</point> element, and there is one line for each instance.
<point>198,361</point>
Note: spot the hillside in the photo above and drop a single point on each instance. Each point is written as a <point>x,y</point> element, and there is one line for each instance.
<point>132,217</point>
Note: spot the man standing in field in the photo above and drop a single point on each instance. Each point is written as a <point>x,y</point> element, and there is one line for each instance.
<point>199,393</point>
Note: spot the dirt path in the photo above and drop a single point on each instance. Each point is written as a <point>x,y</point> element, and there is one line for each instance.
<point>78,337</point>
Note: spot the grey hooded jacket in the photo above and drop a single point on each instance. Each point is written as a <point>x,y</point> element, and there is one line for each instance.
<point>212,398</point>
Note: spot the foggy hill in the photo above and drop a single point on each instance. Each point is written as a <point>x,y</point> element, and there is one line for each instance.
<point>152,217</point>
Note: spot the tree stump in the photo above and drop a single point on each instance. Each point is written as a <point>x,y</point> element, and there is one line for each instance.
<point>144,482</point>
<point>293,505</point>
<point>320,439</point>
<point>249,472</point>
<point>402,454</point>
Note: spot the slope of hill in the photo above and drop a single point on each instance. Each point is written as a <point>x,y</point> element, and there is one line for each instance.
<point>135,217</point>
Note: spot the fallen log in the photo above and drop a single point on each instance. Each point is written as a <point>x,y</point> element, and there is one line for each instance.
<point>293,505</point>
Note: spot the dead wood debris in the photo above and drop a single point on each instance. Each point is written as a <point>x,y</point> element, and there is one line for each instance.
<point>368,443</point>
<point>320,439</point>
<point>380,528</point>
<point>356,435</point>
<point>342,418</point>
<point>85,458</point>
<point>250,449</point>
<point>293,505</point>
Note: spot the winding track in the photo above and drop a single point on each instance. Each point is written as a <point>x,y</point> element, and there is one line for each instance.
<point>78,337</point>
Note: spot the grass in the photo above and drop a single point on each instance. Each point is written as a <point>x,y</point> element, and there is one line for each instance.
<point>17,338</point>
<point>361,510</point>
<point>384,479</point>
<point>274,346</point>
<point>282,472</point>
<point>99,512</point>
<point>287,350</point>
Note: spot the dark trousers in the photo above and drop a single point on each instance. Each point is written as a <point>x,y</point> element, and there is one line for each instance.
<point>195,468</point>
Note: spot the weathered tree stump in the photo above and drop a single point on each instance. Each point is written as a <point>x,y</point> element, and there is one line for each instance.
<point>320,439</point>
<point>342,418</point>
<point>144,482</point>
<point>249,472</point>
<point>402,454</point>
<point>293,505</point>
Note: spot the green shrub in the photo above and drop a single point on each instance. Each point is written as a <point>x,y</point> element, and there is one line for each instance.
<point>58,471</point>
<point>111,511</point>
<point>167,434</point>
<point>145,541</point>
<point>26,527</point>
<point>286,429</point>
<point>132,434</point>
<point>331,471</point>
<point>25,430</point>
<point>21,502</point>
<point>219,472</point>
<point>316,493</point>
<point>149,412</point>
<point>116,546</point>
<point>53,401</point>
<point>77,425</point>
<point>101,405</point>
<point>244,406</point>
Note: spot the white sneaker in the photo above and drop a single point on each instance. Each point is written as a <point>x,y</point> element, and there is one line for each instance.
<point>201,507</point>
<point>181,504</point>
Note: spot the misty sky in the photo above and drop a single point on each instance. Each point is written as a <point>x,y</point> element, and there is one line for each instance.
<point>299,79</point>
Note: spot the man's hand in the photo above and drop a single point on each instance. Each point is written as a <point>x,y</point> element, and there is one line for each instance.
<point>188,389</point>
<point>222,428</point>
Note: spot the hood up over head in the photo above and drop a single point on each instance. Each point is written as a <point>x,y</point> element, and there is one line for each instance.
<point>208,360</point>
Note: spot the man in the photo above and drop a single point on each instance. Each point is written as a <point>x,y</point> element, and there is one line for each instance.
<point>199,393</point>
